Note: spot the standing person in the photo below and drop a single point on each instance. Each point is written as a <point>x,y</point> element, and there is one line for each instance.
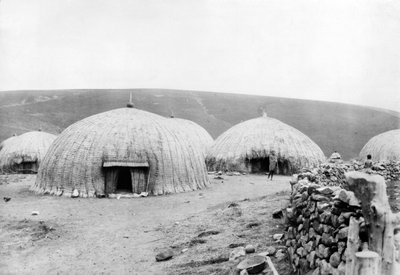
<point>273,161</point>
<point>368,162</point>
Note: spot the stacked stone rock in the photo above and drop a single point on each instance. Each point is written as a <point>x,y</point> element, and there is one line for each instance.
<point>318,221</point>
<point>327,174</point>
<point>332,174</point>
<point>388,170</point>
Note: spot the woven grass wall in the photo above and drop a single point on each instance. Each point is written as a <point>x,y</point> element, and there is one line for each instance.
<point>197,134</point>
<point>256,138</point>
<point>385,146</point>
<point>28,147</point>
<point>75,159</point>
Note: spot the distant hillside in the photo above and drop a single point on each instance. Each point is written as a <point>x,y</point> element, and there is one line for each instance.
<point>333,126</point>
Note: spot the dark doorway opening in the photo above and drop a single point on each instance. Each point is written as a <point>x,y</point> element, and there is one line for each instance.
<point>124,183</point>
<point>27,167</point>
<point>259,165</point>
<point>284,167</point>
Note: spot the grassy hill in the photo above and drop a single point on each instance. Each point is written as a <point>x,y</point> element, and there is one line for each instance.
<point>333,126</point>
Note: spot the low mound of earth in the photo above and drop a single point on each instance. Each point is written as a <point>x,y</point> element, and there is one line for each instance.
<point>92,236</point>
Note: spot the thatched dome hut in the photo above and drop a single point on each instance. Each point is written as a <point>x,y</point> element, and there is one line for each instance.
<point>196,134</point>
<point>24,153</point>
<point>121,151</point>
<point>385,146</point>
<point>246,147</point>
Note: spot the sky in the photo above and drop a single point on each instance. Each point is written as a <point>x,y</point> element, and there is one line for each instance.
<point>344,50</point>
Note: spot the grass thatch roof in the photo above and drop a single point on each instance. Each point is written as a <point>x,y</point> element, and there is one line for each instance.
<point>197,134</point>
<point>75,160</point>
<point>256,138</point>
<point>385,146</point>
<point>28,147</point>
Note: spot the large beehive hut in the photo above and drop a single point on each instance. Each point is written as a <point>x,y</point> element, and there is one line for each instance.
<point>24,153</point>
<point>122,150</point>
<point>385,146</point>
<point>246,147</point>
<point>197,135</point>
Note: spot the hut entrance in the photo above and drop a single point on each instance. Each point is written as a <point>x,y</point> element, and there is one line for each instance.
<point>30,167</point>
<point>124,182</point>
<point>284,167</point>
<point>126,177</point>
<point>26,167</point>
<point>259,165</point>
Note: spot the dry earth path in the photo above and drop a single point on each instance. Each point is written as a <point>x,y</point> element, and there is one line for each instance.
<point>103,236</point>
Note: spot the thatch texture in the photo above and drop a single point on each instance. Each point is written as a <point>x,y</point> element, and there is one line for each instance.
<point>76,161</point>
<point>197,135</point>
<point>24,153</point>
<point>245,143</point>
<point>385,146</point>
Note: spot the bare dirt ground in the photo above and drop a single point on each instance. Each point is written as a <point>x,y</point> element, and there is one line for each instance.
<point>110,236</point>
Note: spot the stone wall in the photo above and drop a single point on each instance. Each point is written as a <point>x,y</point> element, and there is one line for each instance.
<point>318,221</point>
<point>332,173</point>
<point>390,170</point>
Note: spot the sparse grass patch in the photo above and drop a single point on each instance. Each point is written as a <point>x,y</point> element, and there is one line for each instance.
<point>24,233</point>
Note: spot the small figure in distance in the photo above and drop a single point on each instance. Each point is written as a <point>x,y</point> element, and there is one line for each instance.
<point>368,162</point>
<point>273,161</point>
